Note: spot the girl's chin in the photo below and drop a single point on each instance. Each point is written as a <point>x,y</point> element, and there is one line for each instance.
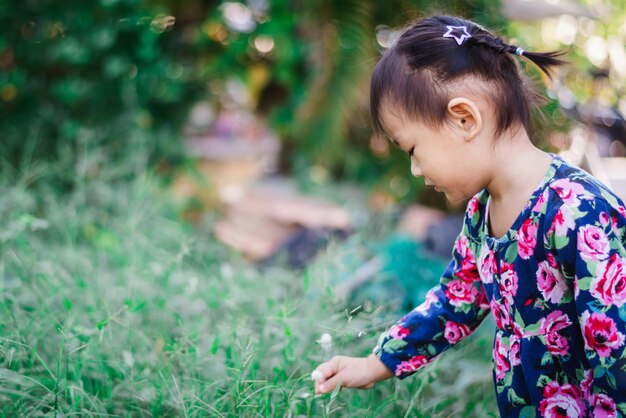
<point>456,197</point>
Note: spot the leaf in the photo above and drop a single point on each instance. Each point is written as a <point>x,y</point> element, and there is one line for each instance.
<point>67,304</point>
<point>307,280</point>
<point>394,345</point>
<point>514,398</point>
<point>599,371</point>
<point>622,316</point>
<point>511,252</point>
<point>102,324</point>
<point>610,378</point>
<point>335,392</point>
<point>431,350</point>
<point>508,379</point>
<point>532,329</point>
<point>465,308</point>
<point>546,358</point>
<point>528,412</point>
<point>584,283</point>
<point>560,241</point>
<point>215,345</point>
<point>568,296</point>
<point>134,305</point>
<point>543,381</point>
<point>577,213</point>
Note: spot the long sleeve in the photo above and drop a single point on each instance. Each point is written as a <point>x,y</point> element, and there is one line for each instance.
<point>452,310</point>
<point>588,235</point>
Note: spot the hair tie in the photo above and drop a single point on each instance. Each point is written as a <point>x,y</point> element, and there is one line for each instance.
<point>519,51</point>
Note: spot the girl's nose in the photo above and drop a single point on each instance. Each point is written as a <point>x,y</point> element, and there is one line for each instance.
<point>415,169</point>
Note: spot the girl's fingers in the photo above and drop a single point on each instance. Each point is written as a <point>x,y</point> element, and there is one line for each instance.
<point>328,369</point>
<point>329,385</point>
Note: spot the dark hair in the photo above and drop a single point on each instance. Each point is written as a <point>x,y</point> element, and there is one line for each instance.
<point>414,73</point>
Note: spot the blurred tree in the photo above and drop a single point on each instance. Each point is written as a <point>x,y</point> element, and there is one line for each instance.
<point>116,70</point>
<point>592,87</point>
<point>308,65</point>
<point>87,72</point>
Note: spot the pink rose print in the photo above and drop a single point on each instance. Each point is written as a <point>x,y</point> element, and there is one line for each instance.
<point>561,401</point>
<point>585,385</point>
<point>501,315</point>
<point>555,321</point>
<point>568,191</point>
<point>508,281</point>
<point>563,221</point>
<point>398,332</point>
<point>487,264</point>
<point>514,352</point>
<point>576,288</point>
<point>615,224</point>
<point>593,243</point>
<point>481,299</point>
<point>540,201</point>
<point>430,297</point>
<point>552,261</point>
<point>472,207</point>
<point>609,284</point>
<point>411,365</point>
<point>468,272</point>
<point>501,358</point>
<point>460,292</point>
<point>603,406</point>
<point>455,332</point>
<point>551,282</point>
<point>557,344</point>
<point>604,218</point>
<point>527,239</point>
<point>461,246</point>
<point>600,333</point>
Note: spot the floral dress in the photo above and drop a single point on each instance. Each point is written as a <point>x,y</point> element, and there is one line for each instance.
<point>556,284</point>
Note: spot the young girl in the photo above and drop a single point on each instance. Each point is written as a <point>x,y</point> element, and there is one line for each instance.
<point>542,246</point>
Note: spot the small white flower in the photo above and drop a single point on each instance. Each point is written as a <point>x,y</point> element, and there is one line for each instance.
<point>325,341</point>
<point>316,375</point>
<point>129,360</point>
<point>227,271</point>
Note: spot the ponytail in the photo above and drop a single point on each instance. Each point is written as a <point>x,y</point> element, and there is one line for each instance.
<point>546,61</point>
<point>432,53</point>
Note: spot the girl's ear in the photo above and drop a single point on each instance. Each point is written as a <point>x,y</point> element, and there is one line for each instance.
<point>465,116</point>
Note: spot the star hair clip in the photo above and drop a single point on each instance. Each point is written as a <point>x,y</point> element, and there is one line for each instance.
<point>459,33</point>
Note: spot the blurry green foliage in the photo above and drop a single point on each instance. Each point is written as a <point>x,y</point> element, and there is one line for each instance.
<point>314,83</point>
<point>125,72</point>
<point>120,72</point>
<point>595,40</point>
<point>89,72</point>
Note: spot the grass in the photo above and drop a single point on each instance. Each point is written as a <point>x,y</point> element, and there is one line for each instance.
<point>111,306</point>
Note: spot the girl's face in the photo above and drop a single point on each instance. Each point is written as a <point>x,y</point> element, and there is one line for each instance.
<point>443,156</point>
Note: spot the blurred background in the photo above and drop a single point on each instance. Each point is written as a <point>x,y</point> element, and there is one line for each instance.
<point>192,195</point>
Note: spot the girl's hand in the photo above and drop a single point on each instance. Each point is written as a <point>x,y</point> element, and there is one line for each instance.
<point>351,372</point>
